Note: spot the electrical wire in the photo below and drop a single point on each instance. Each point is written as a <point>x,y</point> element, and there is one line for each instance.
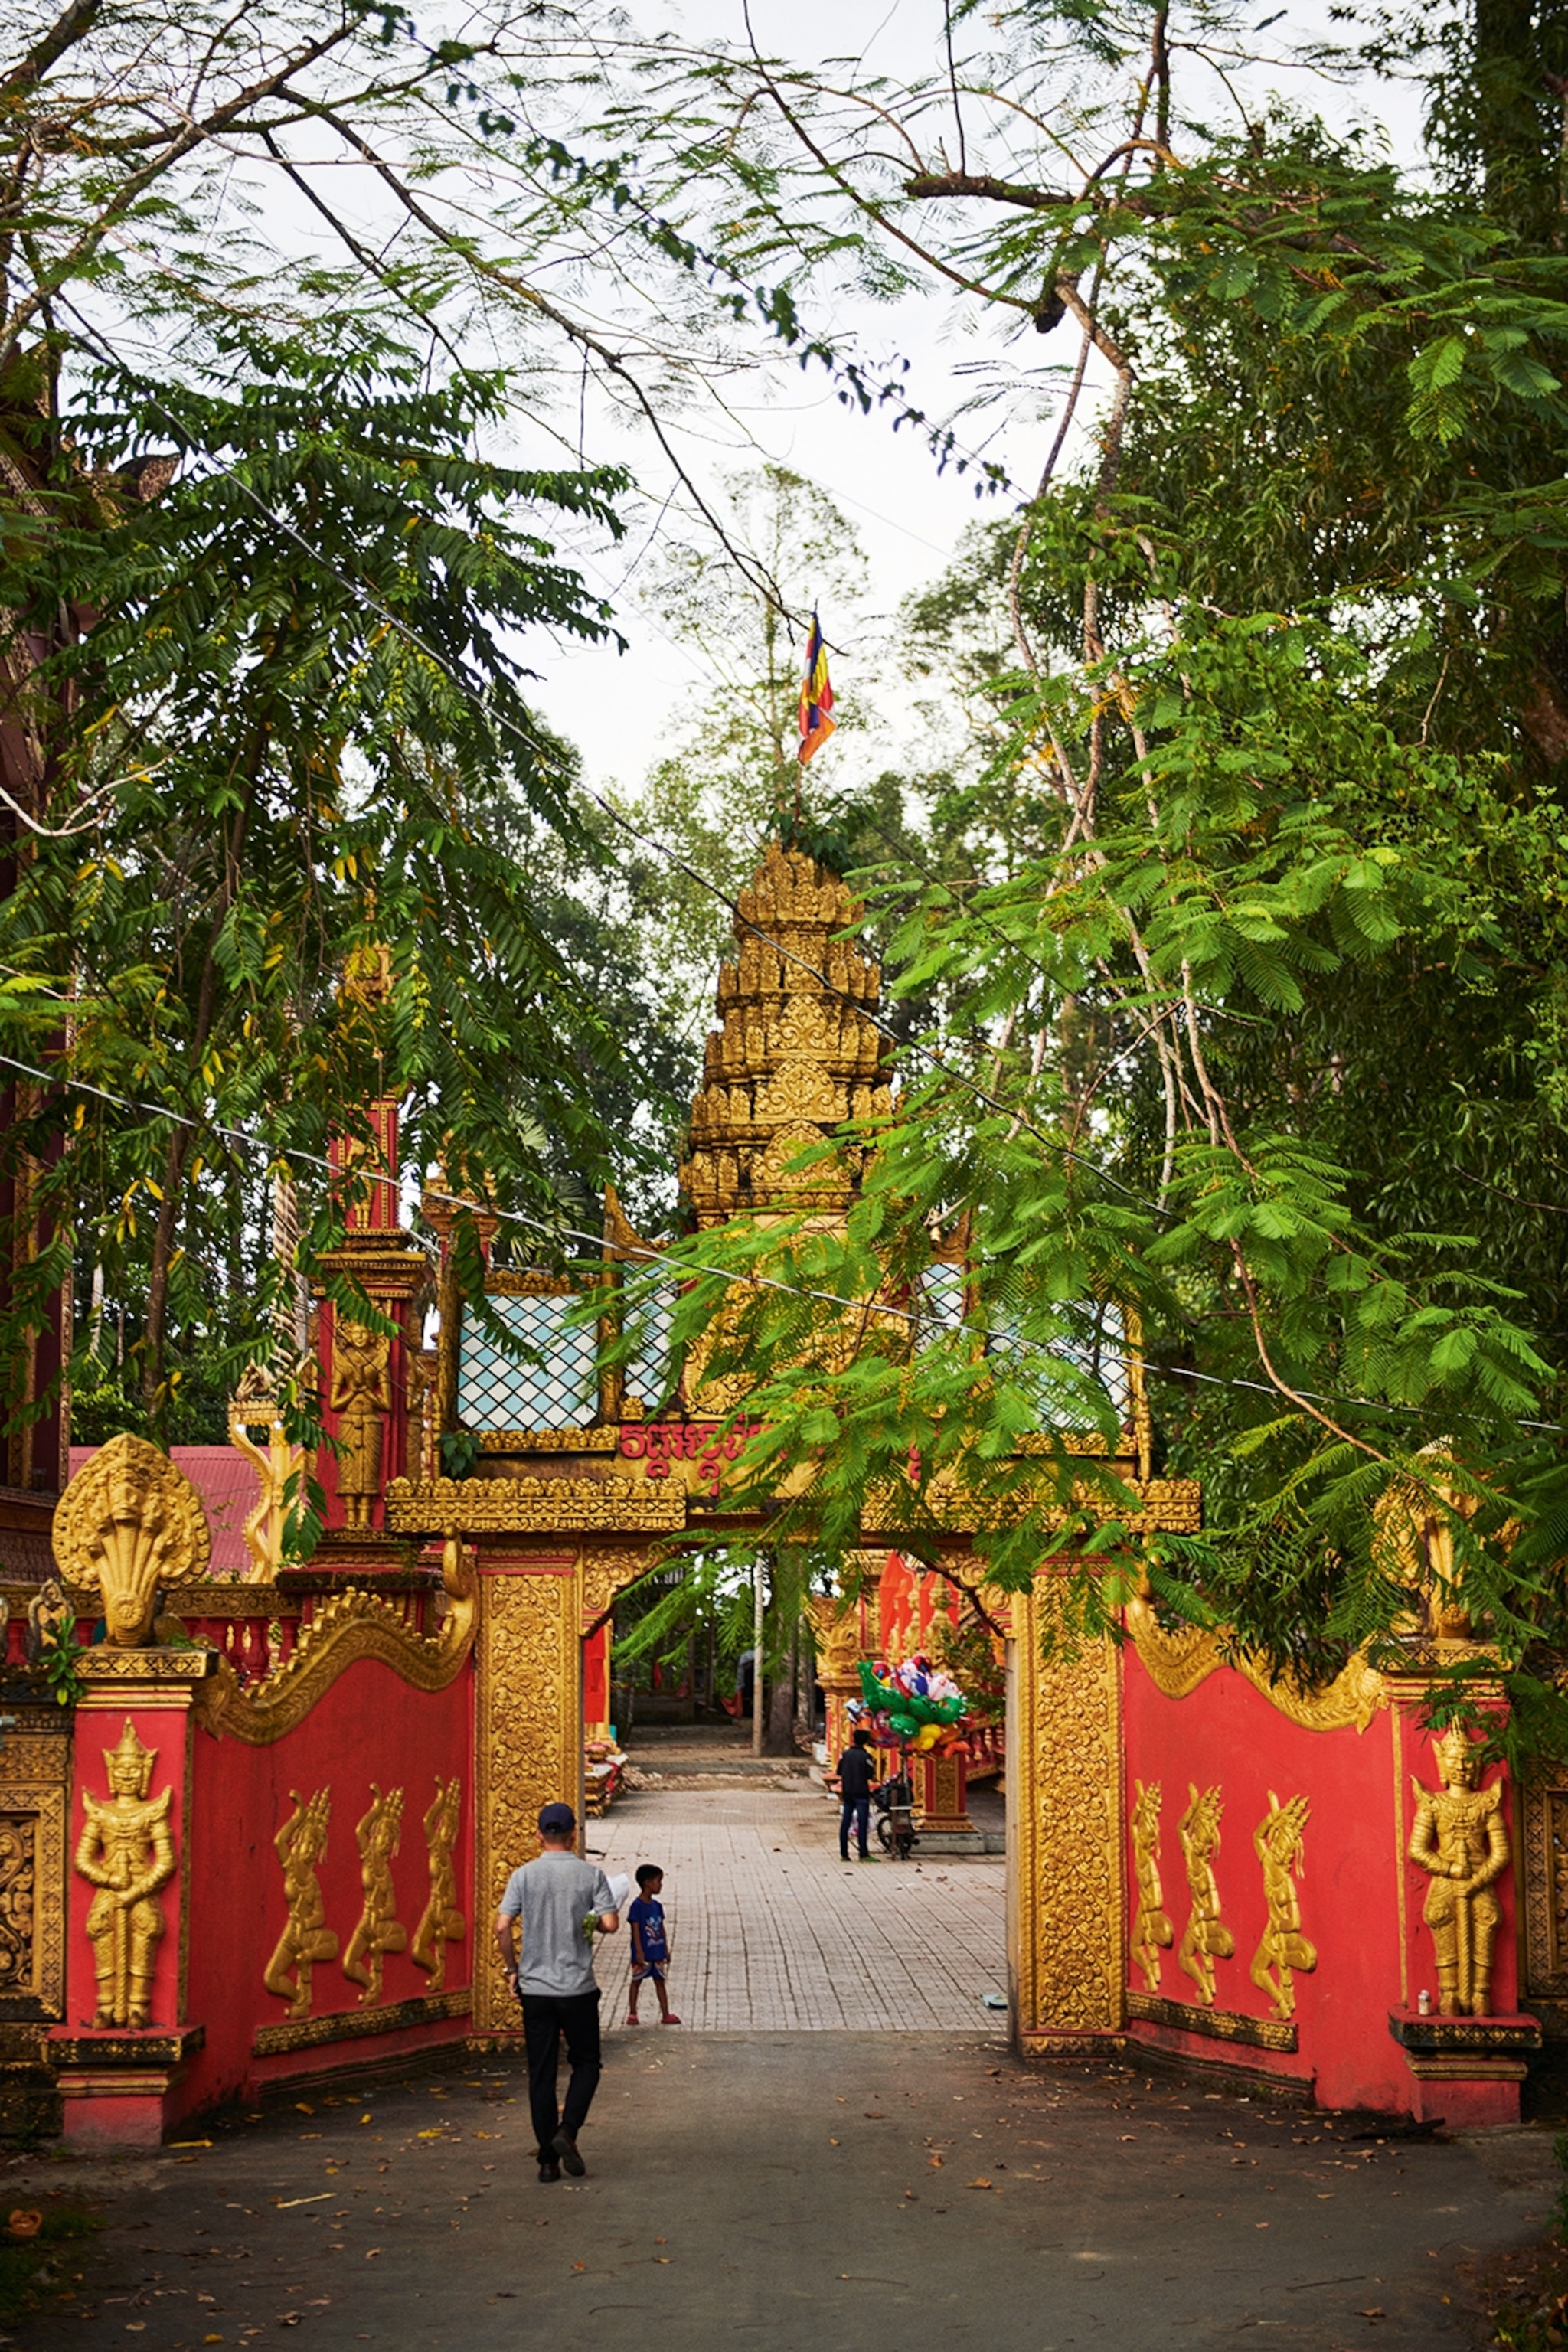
<point>645,841</point>
<point>682,1268</point>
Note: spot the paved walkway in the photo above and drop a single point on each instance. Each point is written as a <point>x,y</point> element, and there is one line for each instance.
<point>800,2192</point>
<point>770,1932</point>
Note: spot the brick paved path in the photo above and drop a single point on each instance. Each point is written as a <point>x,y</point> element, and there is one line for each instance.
<point>770,1932</point>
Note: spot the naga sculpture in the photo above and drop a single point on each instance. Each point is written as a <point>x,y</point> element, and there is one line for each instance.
<point>129,1522</point>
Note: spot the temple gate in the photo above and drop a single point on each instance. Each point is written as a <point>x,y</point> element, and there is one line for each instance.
<point>318,1779</point>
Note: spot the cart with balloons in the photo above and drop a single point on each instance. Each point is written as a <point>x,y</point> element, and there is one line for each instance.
<point>915,1712</point>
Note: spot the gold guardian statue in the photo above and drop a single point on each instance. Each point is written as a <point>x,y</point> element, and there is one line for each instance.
<point>1460,1838</point>
<point>127,1853</point>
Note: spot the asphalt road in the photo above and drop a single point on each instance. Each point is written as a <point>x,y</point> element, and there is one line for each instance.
<point>805,2192</point>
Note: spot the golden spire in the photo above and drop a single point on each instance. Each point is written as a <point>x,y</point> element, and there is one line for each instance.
<point>795,1056</point>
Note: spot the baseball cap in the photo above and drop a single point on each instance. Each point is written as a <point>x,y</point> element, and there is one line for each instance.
<point>556,1820</point>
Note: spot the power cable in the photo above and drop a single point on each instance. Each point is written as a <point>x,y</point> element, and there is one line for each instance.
<point>645,841</point>
<point>683,1268</point>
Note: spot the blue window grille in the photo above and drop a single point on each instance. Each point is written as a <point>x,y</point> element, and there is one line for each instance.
<point>649,1374</point>
<point>561,1390</point>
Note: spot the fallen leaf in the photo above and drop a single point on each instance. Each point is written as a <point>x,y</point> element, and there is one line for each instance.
<point>302,2108</point>
<point>662,2258</point>
<point>289,2319</point>
<point>1374,2313</point>
<point>371,2253</point>
<point>1125,2137</point>
<point>364,2119</point>
<point>833,2143</point>
<point>579,2266</point>
<point>875,2116</point>
<point>24,2225</point>
<point>980,2184</point>
<point>322,2196</point>
<point>190,2143</point>
<point>212,2339</point>
<point>437,2134</point>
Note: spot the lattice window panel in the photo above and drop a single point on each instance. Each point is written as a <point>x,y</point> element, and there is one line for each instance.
<point>560,1392</point>
<point>648,1374</point>
<point>941,1296</point>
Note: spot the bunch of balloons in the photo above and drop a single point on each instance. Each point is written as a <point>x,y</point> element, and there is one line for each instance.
<point>919,1702</point>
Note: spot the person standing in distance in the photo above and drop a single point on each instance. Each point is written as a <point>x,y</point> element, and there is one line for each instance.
<point>560,1903</point>
<point>856,1777</point>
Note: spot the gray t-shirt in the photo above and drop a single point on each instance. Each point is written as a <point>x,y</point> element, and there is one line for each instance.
<point>552,1895</point>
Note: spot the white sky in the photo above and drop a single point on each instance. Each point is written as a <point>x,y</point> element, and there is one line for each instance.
<point>620,709</point>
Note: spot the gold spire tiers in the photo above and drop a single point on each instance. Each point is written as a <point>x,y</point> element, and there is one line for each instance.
<point>793,1058</point>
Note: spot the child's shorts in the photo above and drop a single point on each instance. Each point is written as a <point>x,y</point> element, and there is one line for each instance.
<point>654,1968</point>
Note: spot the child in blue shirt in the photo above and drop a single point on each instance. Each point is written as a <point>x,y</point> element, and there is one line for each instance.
<point>650,1946</point>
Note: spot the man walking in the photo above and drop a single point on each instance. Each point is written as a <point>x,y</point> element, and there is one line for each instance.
<point>855,1776</point>
<point>560,1902</point>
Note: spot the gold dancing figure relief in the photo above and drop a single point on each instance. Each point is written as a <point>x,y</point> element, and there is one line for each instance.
<point>1461,1838</point>
<point>299,1846</point>
<point>378,1932</point>
<point>1152,1930</point>
<point>440,1923</point>
<point>1277,1844</point>
<point>127,1853</point>
<point>361,1397</point>
<point>1206,1939</point>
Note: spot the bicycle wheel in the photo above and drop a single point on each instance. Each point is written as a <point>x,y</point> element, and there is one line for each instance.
<point>884,1833</point>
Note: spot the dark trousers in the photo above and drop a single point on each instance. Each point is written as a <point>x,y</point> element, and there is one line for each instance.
<point>545,2018</point>
<point>856,1810</point>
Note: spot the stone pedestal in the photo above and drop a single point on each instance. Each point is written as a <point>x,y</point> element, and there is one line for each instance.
<point>115,2088</point>
<point>1466,2070</point>
<point>116,2082</point>
<point>941,1796</point>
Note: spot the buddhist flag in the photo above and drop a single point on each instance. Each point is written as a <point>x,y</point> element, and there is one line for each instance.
<point>816,723</point>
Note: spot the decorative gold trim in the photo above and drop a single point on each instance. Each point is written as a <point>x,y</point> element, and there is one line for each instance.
<point>1067,1897</point>
<point>527,1739</point>
<point>154,2048</point>
<point>1492,2036</point>
<point>1172,1505</point>
<point>1214,2025</point>
<point>42,1805</point>
<point>102,1664</point>
<point>524,1282</point>
<point>605,1576</point>
<point>603,1438</point>
<point>533,1506</point>
<point>354,2024</point>
<point>351,1625</point>
<point>1177,1662</point>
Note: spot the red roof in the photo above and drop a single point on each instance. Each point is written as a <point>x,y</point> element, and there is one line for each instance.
<point>229,1489</point>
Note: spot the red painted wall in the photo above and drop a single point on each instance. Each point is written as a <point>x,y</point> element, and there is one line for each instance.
<point>1356,1836</point>
<point>370,1725</point>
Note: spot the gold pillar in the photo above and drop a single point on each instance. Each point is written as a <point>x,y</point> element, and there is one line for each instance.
<point>1067,1894</point>
<point>528,1737</point>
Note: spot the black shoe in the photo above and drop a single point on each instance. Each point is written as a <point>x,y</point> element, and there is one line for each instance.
<point>565,2148</point>
<point>551,2171</point>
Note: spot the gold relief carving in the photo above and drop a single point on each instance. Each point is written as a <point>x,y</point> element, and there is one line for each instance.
<point>376,1931</point>
<point>127,1853</point>
<point>529,1740</point>
<point>301,1845</point>
<point>129,1522</point>
<point>440,1923</point>
<point>1173,1504</point>
<point>1545,1905</point>
<point>1177,1662</point>
<point>350,1627</point>
<point>1064,1822</point>
<point>1206,1939</point>
<point>1460,1837</point>
<point>535,1505</point>
<point>18,1901</point>
<point>1214,2025</point>
<point>360,1397</point>
<point>1277,1842</point>
<point>357,2025</point>
<point>836,1626</point>
<point>604,1438</point>
<point>603,1576</point>
<point>1152,1930</point>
